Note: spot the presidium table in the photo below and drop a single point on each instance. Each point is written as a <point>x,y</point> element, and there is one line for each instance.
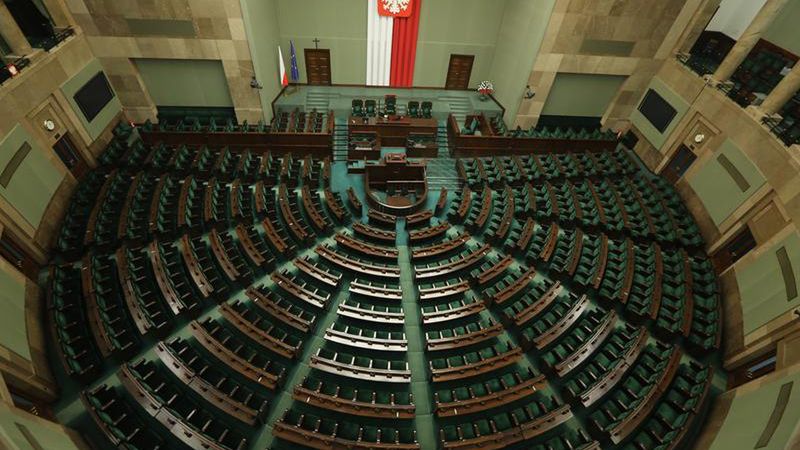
<point>393,130</point>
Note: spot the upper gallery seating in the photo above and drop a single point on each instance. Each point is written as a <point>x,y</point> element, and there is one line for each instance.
<point>202,296</point>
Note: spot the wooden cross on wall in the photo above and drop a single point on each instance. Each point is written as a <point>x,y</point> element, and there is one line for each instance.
<point>316,42</point>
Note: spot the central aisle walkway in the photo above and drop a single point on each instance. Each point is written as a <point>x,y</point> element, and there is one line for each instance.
<point>420,387</point>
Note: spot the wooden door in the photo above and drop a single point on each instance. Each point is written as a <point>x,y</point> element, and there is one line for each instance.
<point>318,66</point>
<point>12,251</point>
<point>459,71</point>
<point>679,164</point>
<point>71,157</point>
<point>733,251</point>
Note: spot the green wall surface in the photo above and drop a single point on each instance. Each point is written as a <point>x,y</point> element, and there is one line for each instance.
<point>762,285</point>
<point>446,27</point>
<point>35,180</point>
<point>784,31</point>
<point>73,85</point>
<point>261,25</point>
<point>717,189</point>
<point>650,132</point>
<point>12,312</point>
<point>750,412</point>
<point>341,26</point>
<point>12,436</point>
<point>585,95</point>
<point>521,34</point>
<point>185,82</point>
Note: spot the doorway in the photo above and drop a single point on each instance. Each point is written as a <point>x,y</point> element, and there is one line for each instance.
<point>679,164</point>
<point>12,251</point>
<point>459,71</point>
<point>71,157</point>
<point>734,250</point>
<point>318,66</point>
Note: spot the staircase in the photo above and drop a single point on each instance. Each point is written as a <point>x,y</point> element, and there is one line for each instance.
<point>443,141</point>
<point>318,100</point>
<point>340,139</point>
<point>459,107</point>
<point>442,170</point>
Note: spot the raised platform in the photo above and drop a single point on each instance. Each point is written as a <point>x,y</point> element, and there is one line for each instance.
<point>339,99</point>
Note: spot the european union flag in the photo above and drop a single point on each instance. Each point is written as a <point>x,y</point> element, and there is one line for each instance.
<point>295,72</point>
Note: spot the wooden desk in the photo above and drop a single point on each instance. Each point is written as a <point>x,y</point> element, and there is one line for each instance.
<point>393,131</point>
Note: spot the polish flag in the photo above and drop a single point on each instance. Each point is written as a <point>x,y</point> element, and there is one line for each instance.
<point>392,30</point>
<point>284,78</point>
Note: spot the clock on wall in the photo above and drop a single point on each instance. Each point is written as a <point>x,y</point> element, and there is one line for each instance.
<point>49,125</point>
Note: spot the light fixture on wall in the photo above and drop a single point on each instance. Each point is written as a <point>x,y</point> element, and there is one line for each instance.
<point>529,94</point>
<point>12,70</point>
<point>255,84</point>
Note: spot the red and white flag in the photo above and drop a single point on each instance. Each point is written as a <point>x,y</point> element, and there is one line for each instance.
<point>395,8</point>
<point>392,30</point>
<point>284,77</point>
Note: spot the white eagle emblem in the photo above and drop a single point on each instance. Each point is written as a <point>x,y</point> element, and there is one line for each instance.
<point>395,6</point>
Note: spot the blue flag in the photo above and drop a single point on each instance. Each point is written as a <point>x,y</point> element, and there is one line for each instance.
<point>294,70</point>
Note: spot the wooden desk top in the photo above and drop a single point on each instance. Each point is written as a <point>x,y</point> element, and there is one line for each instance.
<point>400,121</point>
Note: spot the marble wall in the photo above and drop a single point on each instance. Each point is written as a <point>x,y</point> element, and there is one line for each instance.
<point>119,31</point>
<point>769,207</point>
<point>629,38</point>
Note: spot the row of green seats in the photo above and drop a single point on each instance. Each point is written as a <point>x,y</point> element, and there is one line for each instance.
<point>209,374</point>
<point>706,331</point>
<point>153,312</point>
<point>166,218</point>
<point>588,205</point>
<point>670,423</point>
<point>589,263</point>
<point>585,384</point>
<point>119,418</point>
<point>73,228</point>
<point>532,333</point>
<point>170,260</point>
<point>105,227</point>
<point>672,310</point>
<point>643,288</point>
<point>639,382</point>
<point>531,419</point>
<point>563,253</point>
<point>119,335</point>
<point>616,267</point>
<point>75,343</point>
<point>138,214</point>
<point>303,428</point>
<point>539,239</point>
<point>167,393</point>
<point>583,331</point>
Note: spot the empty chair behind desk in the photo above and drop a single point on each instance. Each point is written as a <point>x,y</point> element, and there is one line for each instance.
<point>370,108</point>
<point>427,109</point>
<point>413,109</point>
<point>390,108</point>
<point>358,107</point>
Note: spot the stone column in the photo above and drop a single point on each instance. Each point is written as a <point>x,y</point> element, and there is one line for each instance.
<point>783,92</point>
<point>749,38</point>
<point>697,25</point>
<point>58,12</point>
<point>12,34</point>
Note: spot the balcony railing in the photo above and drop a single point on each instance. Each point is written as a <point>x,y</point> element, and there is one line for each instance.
<point>49,42</point>
<point>699,64</point>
